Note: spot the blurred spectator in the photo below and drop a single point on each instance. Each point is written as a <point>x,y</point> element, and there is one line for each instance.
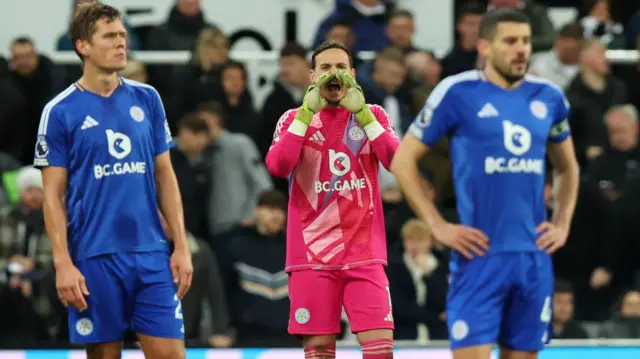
<point>562,63</point>
<point>591,94</point>
<point>633,31</point>
<point>464,54</point>
<point>135,71</point>
<point>564,327</point>
<point>418,285</point>
<point>238,178</point>
<point>237,102</point>
<point>193,170</point>
<point>388,75</point>
<point>12,114</point>
<point>625,323</point>
<point>260,299</point>
<point>37,79</point>
<point>181,29</point>
<point>631,76</point>
<point>25,260</point>
<point>614,178</point>
<point>400,30</point>
<point>425,72</point>
<point>343,33</point>
<point>180,32</point>
<point>288,90</point>
<point>598,24</point>
<point>541,26</point>
<point>206,289</point>
<point>201,81</point>
<point>367,19</point>
<point>64,42</point>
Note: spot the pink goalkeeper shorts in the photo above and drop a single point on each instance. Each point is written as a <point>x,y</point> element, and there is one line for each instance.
<point>317,298</point>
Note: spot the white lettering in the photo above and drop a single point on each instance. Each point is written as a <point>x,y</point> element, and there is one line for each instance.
<point>119,169</point>
<point>340,185</point>
<point>513,165</point>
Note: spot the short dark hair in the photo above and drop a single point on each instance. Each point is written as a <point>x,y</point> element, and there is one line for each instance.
<point>327,45</point>
<point>491,20</point>
<point>85,18</point>
<point>213,108</point>
<point>234,65</point>
<point>293,49</point>
<point>342,23</point>
<point>563,287</point>
<point>471,8</point>
<point>399,13</point>
<point>572,30</point>
<point>22,40</point>
<point>274,199</point>
<point>193,123</point>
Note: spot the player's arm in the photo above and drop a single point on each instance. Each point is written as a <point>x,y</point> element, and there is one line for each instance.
<point>384,141</point>
<point>286,146</point>
<point>437,118</point>
<point>566,179</point>
<point>168,193</point>
<point>52,157</point>
<point>404,167</point>
<point>170,200</point>
<point>55,215</point>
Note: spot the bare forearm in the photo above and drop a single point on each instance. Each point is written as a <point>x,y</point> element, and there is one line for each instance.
<point>565,189</point>
<point>407,175</point>
<point>55,219</point>
<point>171,207</point>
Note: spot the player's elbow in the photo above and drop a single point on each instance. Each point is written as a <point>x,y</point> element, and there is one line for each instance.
<point>277,166</point>
<point>399,163</point>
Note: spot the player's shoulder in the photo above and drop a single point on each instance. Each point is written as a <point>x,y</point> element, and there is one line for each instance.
<point>287,116</point>
<point>458,83</point>
<point>141,89</point>
<point>62,102</point>
<point>540,83</point>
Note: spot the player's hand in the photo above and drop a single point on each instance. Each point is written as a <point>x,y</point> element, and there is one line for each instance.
<point>313,101</point>
<point>354,99</point>
<point>466,240</point>
<point>182,270</point>
<point>552,237</point>
<point>71,286</point>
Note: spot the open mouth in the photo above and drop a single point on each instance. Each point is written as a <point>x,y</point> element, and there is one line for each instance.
<point>334,88</point>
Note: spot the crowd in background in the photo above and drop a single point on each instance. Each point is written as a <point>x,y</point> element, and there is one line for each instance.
<point>235,212</point>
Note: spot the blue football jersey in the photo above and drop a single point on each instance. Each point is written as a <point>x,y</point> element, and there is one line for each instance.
<point>108,146</point>
<point>498,144</point>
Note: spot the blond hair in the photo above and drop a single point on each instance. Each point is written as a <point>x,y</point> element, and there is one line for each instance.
<point>415,228</point>
<point>206,38</point>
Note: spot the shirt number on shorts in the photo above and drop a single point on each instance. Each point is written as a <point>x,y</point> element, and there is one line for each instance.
<point>178,307</point>
<point>545,315</point>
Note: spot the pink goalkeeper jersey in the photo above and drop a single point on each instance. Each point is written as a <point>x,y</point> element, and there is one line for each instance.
<point>335,218</point>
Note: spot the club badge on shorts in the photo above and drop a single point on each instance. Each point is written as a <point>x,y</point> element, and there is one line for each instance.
<point>84,326</point>
<point>302,315</point>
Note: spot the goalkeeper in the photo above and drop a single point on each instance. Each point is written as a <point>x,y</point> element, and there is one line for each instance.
<point>330,150</point>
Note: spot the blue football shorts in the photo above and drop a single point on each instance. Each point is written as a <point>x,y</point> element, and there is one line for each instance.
<point>501,298</point>
<point>127,291</point>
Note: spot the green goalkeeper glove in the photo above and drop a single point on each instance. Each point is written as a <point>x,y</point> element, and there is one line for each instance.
<point>312,102</point>
<point>354,99</point>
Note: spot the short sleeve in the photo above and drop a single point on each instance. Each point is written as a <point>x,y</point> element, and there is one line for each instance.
<point>560,126</point>
<point>52,143</point>
<point>163,140</point>
<point>437,117</point>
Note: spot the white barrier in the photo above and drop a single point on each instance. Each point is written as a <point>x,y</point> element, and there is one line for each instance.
<point>262,66</point>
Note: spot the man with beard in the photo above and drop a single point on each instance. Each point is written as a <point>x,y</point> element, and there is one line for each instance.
<point>501,126</point>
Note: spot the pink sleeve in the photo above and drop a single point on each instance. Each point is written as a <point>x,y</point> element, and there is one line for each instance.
<point>384,140</point>
<point>286,146</point>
